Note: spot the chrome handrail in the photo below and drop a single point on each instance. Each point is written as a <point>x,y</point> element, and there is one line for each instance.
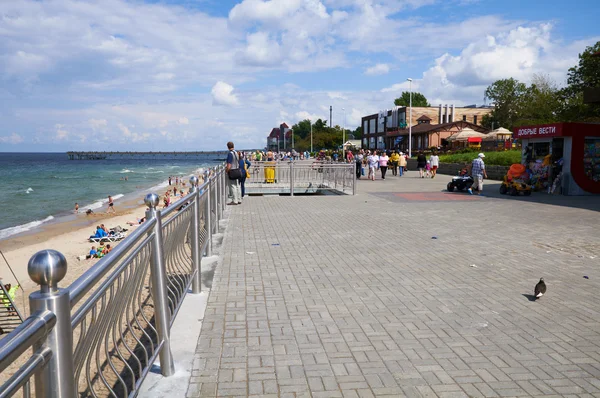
<point>295,176</point>
<point>101,335</point>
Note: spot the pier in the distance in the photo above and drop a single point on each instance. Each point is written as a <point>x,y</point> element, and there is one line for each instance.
<point>101,155</point>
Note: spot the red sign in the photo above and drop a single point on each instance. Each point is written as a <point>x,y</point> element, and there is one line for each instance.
<point>540,131</point>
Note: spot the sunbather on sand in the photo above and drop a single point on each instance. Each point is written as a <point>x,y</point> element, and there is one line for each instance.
<point>137,222</point>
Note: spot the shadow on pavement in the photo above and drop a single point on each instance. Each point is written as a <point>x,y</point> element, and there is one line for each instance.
<point>529,297</point>
<point>590,202</point>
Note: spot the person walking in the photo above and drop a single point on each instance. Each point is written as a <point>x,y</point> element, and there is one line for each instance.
<point>421,163</point>
<point>401,164</point>
<point>394,162</point>
<point>372,161</point>
<point>244,166</point>
<point>383,164</point>
<point>111,205</point>
<point>434,160</point>
<point>478,173</point>
<point>234,173</point>
<point>359,164</point>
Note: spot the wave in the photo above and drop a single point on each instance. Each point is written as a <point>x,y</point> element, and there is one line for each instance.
<point>98,204</point>
<point>29,190</point>
<point>5,233</point>
<point>126,171</point>
<point>152,172</point>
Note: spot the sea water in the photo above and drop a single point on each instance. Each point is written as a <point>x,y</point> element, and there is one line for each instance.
<point>36,188</point>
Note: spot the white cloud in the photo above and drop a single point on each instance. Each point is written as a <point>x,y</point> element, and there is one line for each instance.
<point>222,94</point>
<point>97,124</point>
<point>519,53</point>
<point>261,50</point>
<point>183,120</point>
<point>379,69</point>
<point>14,139</point>
<point>61,133</point>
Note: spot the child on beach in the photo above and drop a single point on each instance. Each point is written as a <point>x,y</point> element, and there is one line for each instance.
<point>76,207</point>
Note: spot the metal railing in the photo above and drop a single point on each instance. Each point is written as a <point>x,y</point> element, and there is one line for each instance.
<point>100,336</point>
<point>301,177</point>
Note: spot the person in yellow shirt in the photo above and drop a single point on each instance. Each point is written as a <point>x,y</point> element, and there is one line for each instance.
<point>394,162</point>
<point>402,164</point>
<point>11,291</point>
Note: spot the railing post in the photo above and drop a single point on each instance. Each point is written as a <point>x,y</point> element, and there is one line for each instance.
<point>334,179</point>
<point>158,274</point>
<point>224,178</point>
<point>344,179</point>
<point>353,183</point>
<point>209,228</point>
<point>56,380</point>
<point>217,192</point>
<point>292,178</point>
<point>196,256</point>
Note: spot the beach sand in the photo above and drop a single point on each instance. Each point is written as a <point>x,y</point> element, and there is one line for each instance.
<point>71,239</point>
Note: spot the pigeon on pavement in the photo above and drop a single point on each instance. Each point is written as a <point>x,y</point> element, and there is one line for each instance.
<point>540,289</point>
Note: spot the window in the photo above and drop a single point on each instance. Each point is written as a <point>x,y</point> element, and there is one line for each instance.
<point>372,126</point>
<point>464,118</point>
<point>365,127</point>
<point>475,119</point>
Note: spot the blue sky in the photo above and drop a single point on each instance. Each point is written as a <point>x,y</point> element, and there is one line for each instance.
<point>194,74</point>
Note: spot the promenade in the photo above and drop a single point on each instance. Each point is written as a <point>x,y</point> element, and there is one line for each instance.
<point>404,290</point>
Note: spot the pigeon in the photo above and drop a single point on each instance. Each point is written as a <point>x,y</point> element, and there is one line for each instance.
<point>540,289</point>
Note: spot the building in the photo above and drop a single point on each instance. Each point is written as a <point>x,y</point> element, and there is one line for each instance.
<point>278,141</point>
<point>431,125</point>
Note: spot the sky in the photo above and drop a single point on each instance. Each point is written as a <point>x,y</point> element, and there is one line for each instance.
<point>189,75</point>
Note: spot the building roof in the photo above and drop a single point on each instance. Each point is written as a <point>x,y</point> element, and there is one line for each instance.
<point>274,133</point>
<point>424,118</point>
<point>434,128</point>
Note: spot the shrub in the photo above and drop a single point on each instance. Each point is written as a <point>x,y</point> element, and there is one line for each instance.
<point>502,158</point>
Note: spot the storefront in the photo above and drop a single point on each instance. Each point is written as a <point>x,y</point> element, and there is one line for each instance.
<point>562,157</point>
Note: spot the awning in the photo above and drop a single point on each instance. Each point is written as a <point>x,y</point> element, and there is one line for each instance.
<point>474,139</point>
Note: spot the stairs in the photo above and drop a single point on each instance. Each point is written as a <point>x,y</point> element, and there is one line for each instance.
<point>10,316</point>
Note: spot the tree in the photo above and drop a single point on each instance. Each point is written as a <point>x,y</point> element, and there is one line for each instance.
<point>302,128</point>
<point>540,102</point>
<point>418,99</point>
<point>585,75</point>
<point>587,72</point>
<point>507,95</point>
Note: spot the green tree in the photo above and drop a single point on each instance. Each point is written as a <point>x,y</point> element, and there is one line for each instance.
<point>540,103</point>
<point>418,99</point>
<point>302,128</point>
<point>507,95</point>
<point>586,74</point>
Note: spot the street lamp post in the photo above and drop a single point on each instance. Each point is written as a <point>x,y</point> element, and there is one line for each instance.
<point>410,119</point>
<point>344,134</point>
<point>311,142</point>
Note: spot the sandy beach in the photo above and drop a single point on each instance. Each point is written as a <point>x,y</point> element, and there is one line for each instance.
<point>71,238</point>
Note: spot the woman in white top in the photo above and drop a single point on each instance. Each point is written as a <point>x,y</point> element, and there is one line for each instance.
<point>434,160</point>
<point>373,161</point>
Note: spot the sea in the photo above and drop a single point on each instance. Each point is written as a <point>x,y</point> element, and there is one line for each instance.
<point>39,188</point>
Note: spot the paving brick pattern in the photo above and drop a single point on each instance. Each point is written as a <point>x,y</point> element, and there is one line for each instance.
<point>343,296</point>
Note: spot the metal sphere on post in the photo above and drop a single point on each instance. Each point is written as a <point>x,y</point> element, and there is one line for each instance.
<point>152,200</point>
<point>193,183</point>
<point>158,275</point>
<point>195,244</point>
<point>47,268</point>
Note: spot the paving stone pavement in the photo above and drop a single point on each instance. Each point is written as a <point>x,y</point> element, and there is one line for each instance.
<point>350,296</point>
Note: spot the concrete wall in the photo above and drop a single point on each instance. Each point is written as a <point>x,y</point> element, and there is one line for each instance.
<point>493,172</point>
